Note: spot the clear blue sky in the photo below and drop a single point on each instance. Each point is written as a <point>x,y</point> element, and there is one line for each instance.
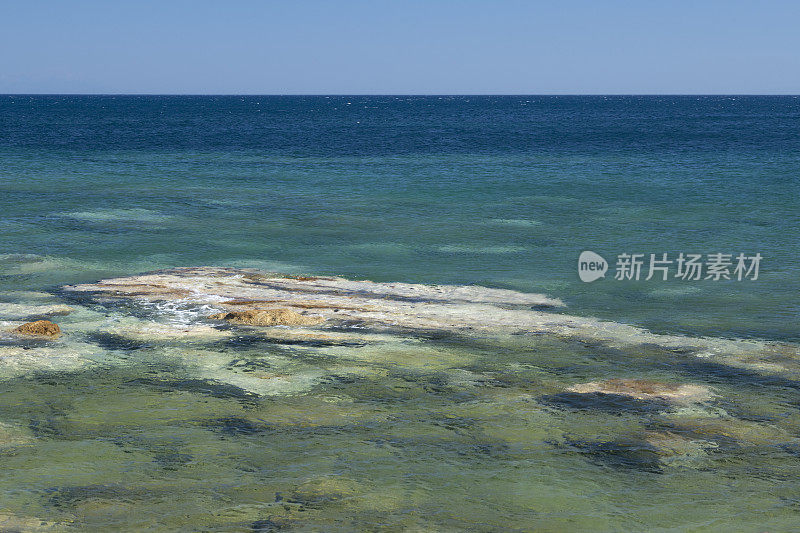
<point>419,47</point>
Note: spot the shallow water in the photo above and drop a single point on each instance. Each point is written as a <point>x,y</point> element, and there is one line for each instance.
<point>400,434</point>
<point>114,427</point>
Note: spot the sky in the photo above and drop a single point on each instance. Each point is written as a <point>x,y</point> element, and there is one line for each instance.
<point>400,47</point>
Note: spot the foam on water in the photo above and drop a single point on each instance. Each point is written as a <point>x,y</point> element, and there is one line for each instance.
<point>513,222</point>
<point>674,292</point>
<point>136,215</point>
<point>471,249</point>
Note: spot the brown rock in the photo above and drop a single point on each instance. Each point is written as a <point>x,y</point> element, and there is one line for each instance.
<point>268,317</point>
<point>40,327</point>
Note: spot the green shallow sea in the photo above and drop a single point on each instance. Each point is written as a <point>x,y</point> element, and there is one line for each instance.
<point>104,429</point>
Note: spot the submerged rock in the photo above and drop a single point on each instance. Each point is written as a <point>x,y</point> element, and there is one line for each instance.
<point>725,432</point>
<point>234,425</point>
<point>76,495</point>
<point>681,450</point>
<point>624,454</point>
<point>650,451</point>
<point>148,333</point>
<point>18,311</point>
<point>111,341</point>
<point>208,387</point>
<point>12,435</point>
<point>20,360</point>
<point>645,389</point>
<point>321,491</point>
<point>39,327</point>
<point>10,522</point>
<point>272,524</point>
<point>268,317</point>
<point>603,402</point>
<point>296,339</point>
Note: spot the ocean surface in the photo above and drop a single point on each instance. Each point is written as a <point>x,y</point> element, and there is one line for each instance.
<point>497,191</point>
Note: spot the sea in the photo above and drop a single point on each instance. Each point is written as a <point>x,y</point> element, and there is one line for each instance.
<point>502,192</point>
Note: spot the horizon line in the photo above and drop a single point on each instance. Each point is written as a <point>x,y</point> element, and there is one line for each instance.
<point>397,94</point>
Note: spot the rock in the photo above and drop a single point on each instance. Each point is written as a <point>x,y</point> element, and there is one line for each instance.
<point>40,327</point>
<point>644,389</point>
<point>268,317</point>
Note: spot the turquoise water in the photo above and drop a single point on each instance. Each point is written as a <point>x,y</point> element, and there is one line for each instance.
<point>497,191</point>
<point>504,191</point>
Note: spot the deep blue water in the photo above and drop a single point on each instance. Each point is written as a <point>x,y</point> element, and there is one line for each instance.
<point>496,190</point>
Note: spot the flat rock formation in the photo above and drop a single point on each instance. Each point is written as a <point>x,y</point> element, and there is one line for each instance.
<point>247,296</point>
